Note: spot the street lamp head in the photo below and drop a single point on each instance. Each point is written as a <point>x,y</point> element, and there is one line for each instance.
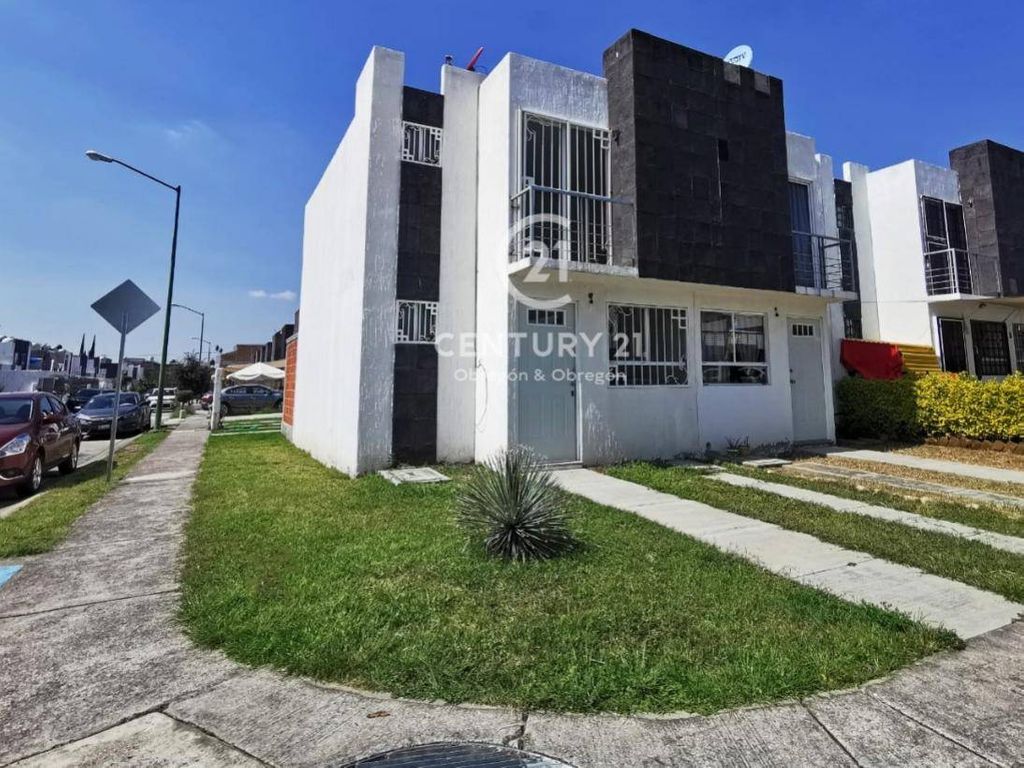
<point>99,157</point>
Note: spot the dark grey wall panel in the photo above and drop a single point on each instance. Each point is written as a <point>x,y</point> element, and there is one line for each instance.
<point>700,147</point>
<point>992,191</point>
<point>422,107</point>
<point>414,418</point>
<point>419,232</point>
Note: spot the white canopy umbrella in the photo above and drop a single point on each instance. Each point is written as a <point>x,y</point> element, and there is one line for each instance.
<point>257,372</point>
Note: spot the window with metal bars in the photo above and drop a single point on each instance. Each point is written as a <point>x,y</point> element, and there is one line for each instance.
<point>421,143</point>
<point>733,348</point>
<point>646,346</point>
<point>563,208</point>
<point>417,322</point>
<point>1018,345</point>
<point>991,348</point>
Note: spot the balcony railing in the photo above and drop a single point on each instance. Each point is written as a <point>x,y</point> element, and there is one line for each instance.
<point>824,263</point>
<point>954,270</point>
<point>561,224</point>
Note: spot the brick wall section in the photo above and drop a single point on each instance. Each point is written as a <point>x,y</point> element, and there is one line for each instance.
<point>290,358</point>
<point>700,146</point>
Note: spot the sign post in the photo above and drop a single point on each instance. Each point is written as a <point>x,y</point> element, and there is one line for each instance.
<point>126,308</point>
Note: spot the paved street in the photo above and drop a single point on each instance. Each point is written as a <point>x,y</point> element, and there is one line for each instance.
<point>94,670</point>
<point>91,450</point>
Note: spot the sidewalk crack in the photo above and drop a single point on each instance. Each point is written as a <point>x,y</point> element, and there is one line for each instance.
<point>831,735</point>
<point>89,603</point>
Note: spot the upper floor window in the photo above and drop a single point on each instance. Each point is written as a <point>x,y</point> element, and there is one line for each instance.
<point>421,143</point>
<point>943,225</point>
<point>417,322</point>
<point>563,208</point>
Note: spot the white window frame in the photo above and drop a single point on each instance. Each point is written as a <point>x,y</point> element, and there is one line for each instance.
<point>546,317</point>
<point>666,364</point>
<point>734,364</point>
<point>423,315</point>
<point>428,136</point>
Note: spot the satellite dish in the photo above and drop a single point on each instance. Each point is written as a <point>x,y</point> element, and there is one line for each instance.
<point>741,56</point>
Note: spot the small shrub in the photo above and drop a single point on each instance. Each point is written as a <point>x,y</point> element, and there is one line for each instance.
<point>513,503</point>
<point>934,404</point>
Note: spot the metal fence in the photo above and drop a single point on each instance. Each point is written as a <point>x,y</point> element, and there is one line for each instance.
<point>823,262</point>
<point>561,224</point>
<point>954,270</point>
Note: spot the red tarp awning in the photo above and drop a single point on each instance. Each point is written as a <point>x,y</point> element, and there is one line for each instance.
<point>872,359</point>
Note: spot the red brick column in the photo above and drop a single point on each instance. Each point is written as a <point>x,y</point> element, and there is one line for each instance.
<point>290,356</point>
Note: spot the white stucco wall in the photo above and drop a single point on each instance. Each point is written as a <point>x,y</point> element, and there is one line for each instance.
<point>456,312</point>
<point>345,362</point>
<point>618,423</point>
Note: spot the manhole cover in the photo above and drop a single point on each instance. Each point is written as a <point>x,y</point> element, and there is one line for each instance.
<point>458,756</point>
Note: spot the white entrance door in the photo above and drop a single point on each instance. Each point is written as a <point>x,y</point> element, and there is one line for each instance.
<point>807,381</point>
<point>546,390</point>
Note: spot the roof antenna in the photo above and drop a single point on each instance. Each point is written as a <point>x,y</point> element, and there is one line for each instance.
<point>476,57</point>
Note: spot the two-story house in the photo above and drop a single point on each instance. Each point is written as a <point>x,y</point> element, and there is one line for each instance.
<point>941,256</point>
<point>639,264</point>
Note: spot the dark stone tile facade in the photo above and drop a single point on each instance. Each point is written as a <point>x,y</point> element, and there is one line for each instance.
<point>700,147</point>
<point>414,416</point>
<point>414,420</point>
<point>992,192</point>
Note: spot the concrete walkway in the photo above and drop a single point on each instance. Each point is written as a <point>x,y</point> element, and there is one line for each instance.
<point>977,471</point>
<point>839,504</point>
<point>852,575</point>
<point>94,671</point>
<point>820,471</point>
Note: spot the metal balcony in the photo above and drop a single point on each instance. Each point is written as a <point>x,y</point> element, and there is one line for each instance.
<point>561,224</point>
<point>954,270</point>
<point>824,263</point>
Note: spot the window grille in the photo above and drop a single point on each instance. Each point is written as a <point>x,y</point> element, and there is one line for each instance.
<point>991,348</point>
<point>803,329</point>
<point>646,346</point>
<point>733,348</point>
<point>421,143</point>
<point>545,317</point>
<point>1018,344</point>
<point>417,322</point>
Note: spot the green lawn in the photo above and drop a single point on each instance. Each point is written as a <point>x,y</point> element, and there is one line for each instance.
<point>44,523</point>
<point>970,562</point>
<point>360,582</point>
<point>999,519</point>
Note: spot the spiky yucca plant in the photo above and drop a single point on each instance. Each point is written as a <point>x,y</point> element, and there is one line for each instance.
<point>513,502</point>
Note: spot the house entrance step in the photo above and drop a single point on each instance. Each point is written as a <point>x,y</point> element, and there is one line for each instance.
<point>1001,541</point>
<point>852,575</point>
<point>958,468</point>
<point>818,471</point>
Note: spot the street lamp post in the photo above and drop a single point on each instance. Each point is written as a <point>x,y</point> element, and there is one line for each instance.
<point>202,323</point>
<point>92,154</point>
<point>209,346</point>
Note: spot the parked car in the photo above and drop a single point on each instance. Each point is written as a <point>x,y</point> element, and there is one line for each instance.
<point>36,433</point>
<point>170,393</point>
<point>249,398</point>
<point>96,416</point>
<point>83,396</point>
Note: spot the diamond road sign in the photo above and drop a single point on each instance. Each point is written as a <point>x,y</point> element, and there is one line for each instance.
<point>126,302</point>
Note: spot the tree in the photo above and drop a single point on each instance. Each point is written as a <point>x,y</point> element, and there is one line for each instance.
<point>194,375</point>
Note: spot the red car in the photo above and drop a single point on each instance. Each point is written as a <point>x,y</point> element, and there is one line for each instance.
<point>36,434</point>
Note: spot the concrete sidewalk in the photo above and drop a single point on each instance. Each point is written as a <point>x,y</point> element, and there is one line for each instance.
<point>976,471</point>
<point>855,576</point>
<point>94,670</point>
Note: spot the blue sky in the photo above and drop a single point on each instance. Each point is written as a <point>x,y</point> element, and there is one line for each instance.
<point>242,103</point>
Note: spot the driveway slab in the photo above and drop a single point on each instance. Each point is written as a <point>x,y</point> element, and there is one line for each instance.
<point>977,471</point>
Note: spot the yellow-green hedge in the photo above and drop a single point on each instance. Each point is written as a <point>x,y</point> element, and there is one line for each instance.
<point>934,404</point>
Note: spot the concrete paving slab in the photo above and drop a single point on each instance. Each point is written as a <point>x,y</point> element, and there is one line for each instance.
<point>819,471</point>
<point>65,675</point>
<point>155,477</point>
<point>946,527</point>
<point>932,599</point>
<point>784,736</point>
<point>975,697</point>
<point>852,575</point>
<point>875,734</point>
<point>154,740</point>
<point>978,471</point>
<point>292,722</point>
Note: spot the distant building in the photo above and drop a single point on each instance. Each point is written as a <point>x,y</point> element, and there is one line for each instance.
<point>243,354</point>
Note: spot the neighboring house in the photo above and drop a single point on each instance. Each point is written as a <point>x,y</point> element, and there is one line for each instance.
<point>243,354</point>
<point>941,256</point>
<point>456,238</point>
